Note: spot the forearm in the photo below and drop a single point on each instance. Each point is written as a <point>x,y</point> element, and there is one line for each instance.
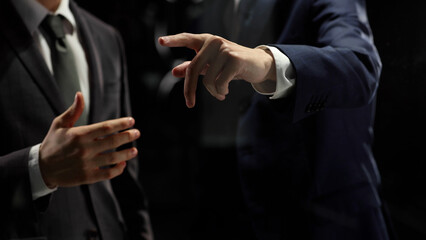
<point>15,183</point>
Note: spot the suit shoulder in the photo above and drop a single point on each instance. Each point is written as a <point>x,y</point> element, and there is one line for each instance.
<point>94,22</point>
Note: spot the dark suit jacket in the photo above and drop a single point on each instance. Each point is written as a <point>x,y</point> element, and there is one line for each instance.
<point>306,165</point>
<point>29,101</point>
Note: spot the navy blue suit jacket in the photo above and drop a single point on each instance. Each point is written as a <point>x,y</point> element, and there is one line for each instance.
<point>306,164</point>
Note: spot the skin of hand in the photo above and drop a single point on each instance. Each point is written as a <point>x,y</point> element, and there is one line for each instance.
<point>220,61</point>
<point>72,156</point>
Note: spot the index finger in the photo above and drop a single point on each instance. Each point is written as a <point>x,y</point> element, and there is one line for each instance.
<point>107,127</point>
<point>189,40</point>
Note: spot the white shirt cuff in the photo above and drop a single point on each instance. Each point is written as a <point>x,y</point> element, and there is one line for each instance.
<point>38,187</point>
<point>285,74</point>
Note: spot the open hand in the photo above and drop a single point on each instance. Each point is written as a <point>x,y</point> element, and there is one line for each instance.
<point>72,156</point>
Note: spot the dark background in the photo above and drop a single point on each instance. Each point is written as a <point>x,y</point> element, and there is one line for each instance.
<point>400,116</point>
<point>194,194</point>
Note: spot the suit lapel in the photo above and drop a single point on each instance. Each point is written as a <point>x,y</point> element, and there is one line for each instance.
<point>94,62</point>
<point>28,53</point>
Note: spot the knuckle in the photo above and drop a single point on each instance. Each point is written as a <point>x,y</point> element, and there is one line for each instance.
<point>129,135</point>
<point>72,136</point>
<point>106,127</point>
<point>216,40</point>
<point>112,158</point>
<point>82,154</point>
<point>114,141</point>
<point>76,137</point>
<point>225,50</point>
<point>206,35</point>
<point>233,56</point>
<point>185,34</point>
<point>56,121</point>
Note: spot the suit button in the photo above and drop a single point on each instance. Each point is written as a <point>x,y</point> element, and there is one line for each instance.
<point>92,234</point>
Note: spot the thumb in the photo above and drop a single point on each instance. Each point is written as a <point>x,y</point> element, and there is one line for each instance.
<point>73,113</point>
<point>180,70</point>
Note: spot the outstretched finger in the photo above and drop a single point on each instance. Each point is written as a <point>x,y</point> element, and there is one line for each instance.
<point>115,140</point>
<point>108,127</point>
<point>189,89</point>
<point>108,173</point>
<point>207,55</point>
<point>111,158</point>
<point>192,41</point>
<point>180,70</point>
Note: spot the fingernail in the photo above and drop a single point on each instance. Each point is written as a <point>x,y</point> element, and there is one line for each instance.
<point>131,121</point>
<point>134,152</point>
<point>189,104</point>
<point>164,39</point>
<point>136,133</point>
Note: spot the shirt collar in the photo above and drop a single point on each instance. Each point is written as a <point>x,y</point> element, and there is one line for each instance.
<point>33,13</point>
<point>65,11</point>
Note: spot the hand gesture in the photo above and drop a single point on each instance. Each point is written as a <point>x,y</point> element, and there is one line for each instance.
<point>72,156</point>
<point>220,61</point>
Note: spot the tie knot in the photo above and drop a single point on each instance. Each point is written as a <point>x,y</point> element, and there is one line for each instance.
<point>54,26</point>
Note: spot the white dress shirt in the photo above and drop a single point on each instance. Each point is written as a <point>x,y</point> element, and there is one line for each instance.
<point>285,75</point>
<point>33,8</point>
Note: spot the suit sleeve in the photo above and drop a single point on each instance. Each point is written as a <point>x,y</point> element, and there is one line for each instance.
<point>16,199</point>
<point>341,68</point>
<point>127,188</point>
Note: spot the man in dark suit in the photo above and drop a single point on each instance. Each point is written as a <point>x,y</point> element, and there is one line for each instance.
<point>305,160</point>
<point>65,173</point>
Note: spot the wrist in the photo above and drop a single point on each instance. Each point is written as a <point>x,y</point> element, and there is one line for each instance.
<point>267,85</point>
<point>270,66</point>
<point>48,181</point>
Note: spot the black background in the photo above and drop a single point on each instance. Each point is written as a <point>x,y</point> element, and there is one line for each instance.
<point>173,170</point>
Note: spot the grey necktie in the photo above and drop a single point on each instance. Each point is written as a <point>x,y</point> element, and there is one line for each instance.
<point>63,62</point>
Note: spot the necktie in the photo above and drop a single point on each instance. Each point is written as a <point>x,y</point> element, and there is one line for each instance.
<point>63,62</point>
